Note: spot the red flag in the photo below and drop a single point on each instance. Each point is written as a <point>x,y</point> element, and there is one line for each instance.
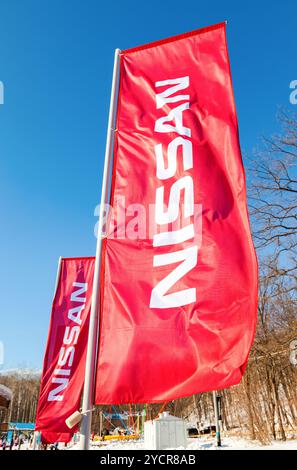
<point>52,437</point>
<point>179,293</point>
<point>64,361</point>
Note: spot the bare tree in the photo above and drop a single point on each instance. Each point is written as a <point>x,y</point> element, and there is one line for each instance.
<point>273,197</point>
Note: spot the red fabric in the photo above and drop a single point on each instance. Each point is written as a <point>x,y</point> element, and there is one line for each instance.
<point>52,437</point>
<point>64,361</point>
<point>154,352</point>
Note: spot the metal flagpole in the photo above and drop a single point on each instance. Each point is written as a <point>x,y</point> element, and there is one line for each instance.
<point>58,275</point>
<point>217,418</point>
<point>87,403</point>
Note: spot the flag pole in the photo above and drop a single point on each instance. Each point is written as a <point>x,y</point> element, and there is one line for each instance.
<point>87,403</point>
<point>217,418</point>
<point>58,275</point>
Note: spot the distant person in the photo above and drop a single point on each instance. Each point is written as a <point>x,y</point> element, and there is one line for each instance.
<point>105,433</point>
<point>4,443</point>
<point>11,444</point>
<point>54,446</point>
<point>21,442</point>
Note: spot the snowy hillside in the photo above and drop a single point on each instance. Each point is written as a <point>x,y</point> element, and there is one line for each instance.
<point>203,443</point>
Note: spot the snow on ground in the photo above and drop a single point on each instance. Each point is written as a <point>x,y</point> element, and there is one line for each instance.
<point>201,443</point>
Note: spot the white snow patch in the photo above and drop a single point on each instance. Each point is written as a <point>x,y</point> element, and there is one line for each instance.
<point>201,443</point>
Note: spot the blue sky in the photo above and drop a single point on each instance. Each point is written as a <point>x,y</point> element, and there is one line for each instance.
<point>56,62</point>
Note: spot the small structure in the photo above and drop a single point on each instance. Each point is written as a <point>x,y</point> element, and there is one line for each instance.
<point>5,396</point>
<point>165,432</point>
<point>5,400</point>
<point>120,422</point>
<point>20,430</point>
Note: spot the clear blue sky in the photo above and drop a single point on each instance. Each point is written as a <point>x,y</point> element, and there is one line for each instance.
<point>56,61</point>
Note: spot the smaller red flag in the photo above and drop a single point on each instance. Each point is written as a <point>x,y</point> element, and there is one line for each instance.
<point>52,437</point>
<point>64,361</point>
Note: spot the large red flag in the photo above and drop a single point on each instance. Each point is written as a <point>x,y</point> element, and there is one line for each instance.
<point>179,290</point>
<point>51,437</point>
<point>65,356</point>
